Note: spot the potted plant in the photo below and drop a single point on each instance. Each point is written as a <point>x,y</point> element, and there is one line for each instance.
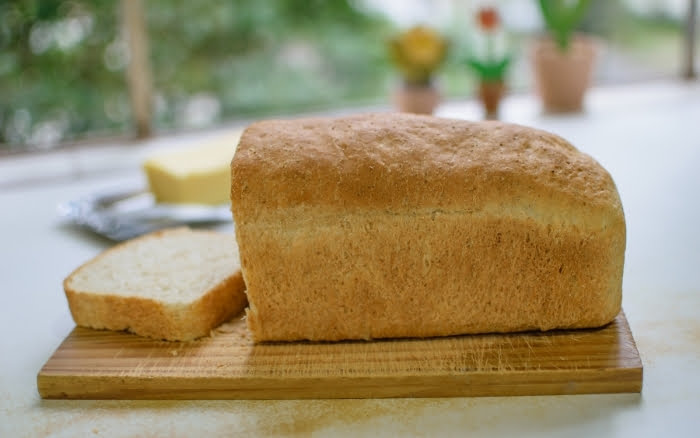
<point>417,54</point>
<point>490,61</point>
<point>563,61</point>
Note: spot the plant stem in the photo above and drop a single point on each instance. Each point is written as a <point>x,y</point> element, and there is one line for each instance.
<point>561,20</point>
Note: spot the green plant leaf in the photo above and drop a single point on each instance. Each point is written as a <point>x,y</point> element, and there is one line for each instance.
<point>490,71</point>
<point>561,19</point>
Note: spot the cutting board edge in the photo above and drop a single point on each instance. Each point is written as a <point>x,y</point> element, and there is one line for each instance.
<point>626,376</point>
<point>476,384</point>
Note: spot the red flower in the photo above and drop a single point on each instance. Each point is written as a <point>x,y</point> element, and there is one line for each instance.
<point>488,18</point>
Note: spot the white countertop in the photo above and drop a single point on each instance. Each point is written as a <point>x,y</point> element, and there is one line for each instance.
<point>647,136</point>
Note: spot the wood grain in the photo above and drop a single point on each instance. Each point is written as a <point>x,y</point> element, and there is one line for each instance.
<point>92,364</point>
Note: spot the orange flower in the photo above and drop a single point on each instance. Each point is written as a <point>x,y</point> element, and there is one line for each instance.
<point>488,18</point>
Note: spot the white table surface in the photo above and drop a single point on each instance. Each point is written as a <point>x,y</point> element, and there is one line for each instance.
<point>647,136</point>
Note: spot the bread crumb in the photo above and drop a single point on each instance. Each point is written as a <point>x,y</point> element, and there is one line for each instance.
<point>225,328</point>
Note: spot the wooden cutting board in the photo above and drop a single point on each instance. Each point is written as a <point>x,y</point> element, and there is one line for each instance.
<point>92,364</point>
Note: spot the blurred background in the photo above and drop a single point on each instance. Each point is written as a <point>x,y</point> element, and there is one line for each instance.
<point>104,101</point>
<point>82,71</point>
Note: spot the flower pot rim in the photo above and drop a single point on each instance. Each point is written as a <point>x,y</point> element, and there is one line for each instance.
<point>580,41</point>
<point>416,86</point>
<point>492,82</point>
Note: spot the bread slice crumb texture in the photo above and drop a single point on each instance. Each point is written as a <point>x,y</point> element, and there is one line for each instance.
<point>174,269</point>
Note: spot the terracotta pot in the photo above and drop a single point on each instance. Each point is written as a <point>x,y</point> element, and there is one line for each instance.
<point>417,99</point>
<point>562,78</point>
<point>491,93</point>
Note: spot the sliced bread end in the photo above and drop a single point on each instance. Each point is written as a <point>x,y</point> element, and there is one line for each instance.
<point>120,288</point>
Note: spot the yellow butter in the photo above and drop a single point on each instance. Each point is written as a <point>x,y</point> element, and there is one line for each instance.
<point>195,175</point>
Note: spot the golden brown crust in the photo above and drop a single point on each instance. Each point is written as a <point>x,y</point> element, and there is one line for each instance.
<point>151,318</point>
<point>147,317</point>
<point>391,225</point>
<point>403,162</point>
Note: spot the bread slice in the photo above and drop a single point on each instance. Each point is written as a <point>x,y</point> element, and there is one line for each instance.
<point>176,284</point>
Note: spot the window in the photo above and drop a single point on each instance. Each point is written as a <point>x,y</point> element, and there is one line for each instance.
<point>63,62</point>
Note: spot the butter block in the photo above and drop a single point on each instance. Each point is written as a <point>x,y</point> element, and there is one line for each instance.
<point>193,175</point>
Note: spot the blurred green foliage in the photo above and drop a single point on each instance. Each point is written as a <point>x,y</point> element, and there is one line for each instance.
<point>264,57</point>
<point>62,62</point>
<point>45,76</point>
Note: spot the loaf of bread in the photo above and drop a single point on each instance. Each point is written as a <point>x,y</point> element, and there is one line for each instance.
<point>395,225</point>
<point>176,285</point>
